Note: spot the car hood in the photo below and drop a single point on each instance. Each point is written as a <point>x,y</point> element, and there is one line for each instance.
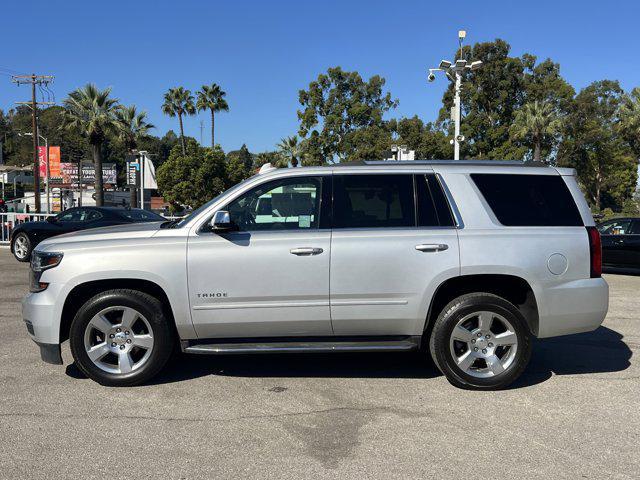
<point>117,232</point>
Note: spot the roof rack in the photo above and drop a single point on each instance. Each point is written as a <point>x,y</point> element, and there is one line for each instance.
<point>386,163</point>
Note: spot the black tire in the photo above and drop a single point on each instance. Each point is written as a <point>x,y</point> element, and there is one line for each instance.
<point>152,310</point>
<point>457,310</point>
<point>24,237</point>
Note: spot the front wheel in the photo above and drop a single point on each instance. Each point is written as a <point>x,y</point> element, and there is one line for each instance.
<point>121,337</point>
<point>21,247</point>
<point>481,341</point>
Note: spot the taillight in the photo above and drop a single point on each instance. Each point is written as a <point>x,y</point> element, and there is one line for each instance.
<point>595,248</point>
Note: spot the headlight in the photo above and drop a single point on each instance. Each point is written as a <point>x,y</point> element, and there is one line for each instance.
<point>41,261</point>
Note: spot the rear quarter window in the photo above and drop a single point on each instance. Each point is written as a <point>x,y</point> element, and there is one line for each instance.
<point>529,200</point>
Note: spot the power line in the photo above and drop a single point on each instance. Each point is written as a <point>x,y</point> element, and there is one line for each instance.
<point>34,80</point>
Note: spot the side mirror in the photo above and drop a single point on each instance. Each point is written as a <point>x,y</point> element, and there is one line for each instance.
<point>52,219</point>
<point>221,222</point>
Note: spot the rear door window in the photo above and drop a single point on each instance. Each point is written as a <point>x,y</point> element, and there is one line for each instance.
<point>373,201</point>
<point>433,208</point>
<point>529,200</point>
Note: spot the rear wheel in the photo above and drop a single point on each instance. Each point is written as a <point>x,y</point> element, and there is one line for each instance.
<point>481,341</point>
<point>21,247</point>
<point>121,338</point>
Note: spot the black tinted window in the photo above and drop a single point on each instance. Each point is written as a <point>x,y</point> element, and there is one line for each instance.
<point>433,208</point>
<point>529,200</point>
<point>373,201</point>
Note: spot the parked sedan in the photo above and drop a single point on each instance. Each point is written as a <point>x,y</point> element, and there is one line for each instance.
<point>27,235</point>
<point>621,244</point>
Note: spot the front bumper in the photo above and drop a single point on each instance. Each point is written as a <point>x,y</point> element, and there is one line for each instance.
<point>574,307</point>
<point>42,319</point>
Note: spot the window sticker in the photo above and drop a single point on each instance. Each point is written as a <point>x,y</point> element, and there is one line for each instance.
<point>304,221</point>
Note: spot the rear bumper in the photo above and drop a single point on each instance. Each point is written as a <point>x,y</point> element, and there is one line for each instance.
<point>574,307</point>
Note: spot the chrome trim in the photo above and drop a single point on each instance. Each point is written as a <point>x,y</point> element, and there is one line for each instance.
<point>224,306</point>
<point>348,303</point>
<point>300,347</point>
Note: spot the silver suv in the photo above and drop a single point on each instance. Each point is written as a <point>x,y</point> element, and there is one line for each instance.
<point>465,260</point>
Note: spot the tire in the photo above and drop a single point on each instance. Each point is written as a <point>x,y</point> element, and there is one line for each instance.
<point>121,338</point>
<point>473,356</point>
<point>21,247</point>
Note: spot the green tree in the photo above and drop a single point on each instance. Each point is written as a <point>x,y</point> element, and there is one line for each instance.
<point>491,96</point>
<point>428,141</point>
<point>178,102</point>
<point>211,97</point>
<point>291,149</point>
<point>239,165</point>
<point>534,123</point>
<point>606,167</point>
<point>338,103</point>
<point>629,120</point>
<point>90,111</point>
<point>191,180</point>
<point>131,126</point>
<point>369,143</point>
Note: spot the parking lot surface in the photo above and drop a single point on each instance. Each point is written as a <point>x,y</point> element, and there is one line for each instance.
<point>573,414</point>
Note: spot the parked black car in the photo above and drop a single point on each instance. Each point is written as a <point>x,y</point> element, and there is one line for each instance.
<point>27,235</point>
<point>621,244</point>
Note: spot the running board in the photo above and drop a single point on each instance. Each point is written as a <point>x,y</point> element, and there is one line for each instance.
<point>404,345</point>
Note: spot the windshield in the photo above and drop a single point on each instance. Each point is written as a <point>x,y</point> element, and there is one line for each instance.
<point>202,208</point>
<point>141,215</point>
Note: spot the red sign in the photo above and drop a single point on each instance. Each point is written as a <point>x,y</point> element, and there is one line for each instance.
<point>42,158</point>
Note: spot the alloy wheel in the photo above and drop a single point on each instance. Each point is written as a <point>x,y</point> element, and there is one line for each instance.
<point>21,247</point>
<point>118,340</point>
<point>483,344</point>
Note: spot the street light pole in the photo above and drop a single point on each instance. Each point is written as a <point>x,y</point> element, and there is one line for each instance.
<point>454,71</point>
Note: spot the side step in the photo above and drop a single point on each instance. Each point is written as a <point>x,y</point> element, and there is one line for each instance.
<point>401,344</point>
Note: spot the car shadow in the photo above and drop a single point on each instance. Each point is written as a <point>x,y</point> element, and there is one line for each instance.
<point>600,351</point>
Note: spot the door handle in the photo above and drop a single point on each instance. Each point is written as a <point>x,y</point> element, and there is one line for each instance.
<point>432,247</point>
<point>304,251</point>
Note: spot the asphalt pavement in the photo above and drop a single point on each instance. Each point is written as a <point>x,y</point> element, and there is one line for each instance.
<point>573,414</point>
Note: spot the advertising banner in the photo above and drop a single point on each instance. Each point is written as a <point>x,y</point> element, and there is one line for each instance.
<point>69,173</point>
<point>54,161</point>
<point>42,160</point>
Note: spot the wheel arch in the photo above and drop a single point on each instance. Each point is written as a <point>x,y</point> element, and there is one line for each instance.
<point>512,288</point>
<point>84,291</point>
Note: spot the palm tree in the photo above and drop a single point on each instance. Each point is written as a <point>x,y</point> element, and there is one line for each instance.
<point>179,102</point>
<point>291,149</point>
<point>211,97</point>
<point>131,126</point>
<point>535,121</point>
<point>90,112</point>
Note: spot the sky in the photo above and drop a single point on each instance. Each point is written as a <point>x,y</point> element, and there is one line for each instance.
<point>263,52</point>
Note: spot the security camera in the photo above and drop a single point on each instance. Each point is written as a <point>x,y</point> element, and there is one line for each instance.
<point>460,138</point>
<point>431,77</point>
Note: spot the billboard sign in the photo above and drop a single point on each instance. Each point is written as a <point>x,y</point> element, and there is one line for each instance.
<point>69,173</point>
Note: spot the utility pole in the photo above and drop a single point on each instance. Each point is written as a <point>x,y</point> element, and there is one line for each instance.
<point>454,72</point>
<point>34,80</point>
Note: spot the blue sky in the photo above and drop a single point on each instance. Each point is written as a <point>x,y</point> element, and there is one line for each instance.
<point>263,52</point>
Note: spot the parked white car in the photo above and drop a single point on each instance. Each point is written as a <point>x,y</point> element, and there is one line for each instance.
<point>467,260</point>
